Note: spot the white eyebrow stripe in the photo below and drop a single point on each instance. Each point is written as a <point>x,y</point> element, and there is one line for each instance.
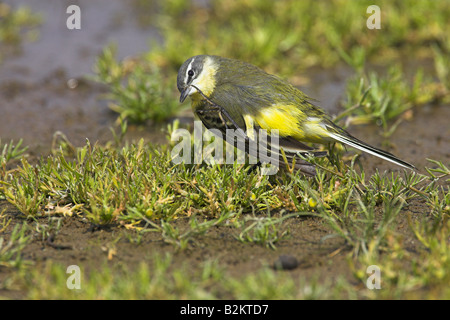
<point>187,71</point>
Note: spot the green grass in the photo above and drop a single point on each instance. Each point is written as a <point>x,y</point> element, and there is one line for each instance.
<point>136,186</point>
<point>160,280</point>
<point>17,25</point>
<point>406,275</point>
<point>10,250</point>
<point>381,99</point>
<point>262,230</point>
<point>138,90</point>
<point>288,36</point>
<point>9,154</point>
<point>138,183</point>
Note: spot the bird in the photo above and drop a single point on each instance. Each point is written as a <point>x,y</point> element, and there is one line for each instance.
<point>232,94</point>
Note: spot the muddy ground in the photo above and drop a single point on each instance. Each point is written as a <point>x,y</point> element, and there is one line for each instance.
<point>36,102</point>
<point>317,259</point>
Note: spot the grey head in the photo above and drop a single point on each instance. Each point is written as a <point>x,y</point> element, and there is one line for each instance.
<point>188,72</point>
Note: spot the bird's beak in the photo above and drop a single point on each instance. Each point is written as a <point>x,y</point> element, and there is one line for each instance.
<point>185,93</point>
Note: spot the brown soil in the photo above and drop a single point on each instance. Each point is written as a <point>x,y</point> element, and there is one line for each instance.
<point>315,255</point>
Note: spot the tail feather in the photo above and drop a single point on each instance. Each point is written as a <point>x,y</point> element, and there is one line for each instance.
<point>358,144</point>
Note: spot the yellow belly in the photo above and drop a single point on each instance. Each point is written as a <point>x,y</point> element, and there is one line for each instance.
<point>291,121</point>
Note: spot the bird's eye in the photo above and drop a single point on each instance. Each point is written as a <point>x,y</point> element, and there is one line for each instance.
<point>191,73</point>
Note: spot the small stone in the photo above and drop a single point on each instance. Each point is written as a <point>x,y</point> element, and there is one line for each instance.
<point>72,83</point>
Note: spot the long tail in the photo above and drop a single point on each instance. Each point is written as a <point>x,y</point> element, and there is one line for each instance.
<point>358,144</point>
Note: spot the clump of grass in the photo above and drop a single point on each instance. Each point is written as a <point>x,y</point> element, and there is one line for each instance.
<point>363,212</point>
<point>264,231</point>
<point>132,183</point>
<point>434,237</point>
<point>24,192</point>
<point>9,153</point>
<point>138,90</point>
<point>442,63</point>
<point>16,24</point>
<point>381,99</point>
<point>408,275</point>
<point>290,35</point>
<point>10,250</point>
<point>181,239</point>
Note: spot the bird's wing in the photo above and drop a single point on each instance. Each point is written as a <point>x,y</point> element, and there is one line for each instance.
<point>234,107</point>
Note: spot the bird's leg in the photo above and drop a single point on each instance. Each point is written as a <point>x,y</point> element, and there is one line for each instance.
<point>254,167</point>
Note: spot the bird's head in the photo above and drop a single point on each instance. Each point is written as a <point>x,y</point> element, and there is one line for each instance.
<point>197,73</point>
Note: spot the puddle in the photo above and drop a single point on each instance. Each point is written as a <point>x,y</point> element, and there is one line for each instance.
<point>74,51</point>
